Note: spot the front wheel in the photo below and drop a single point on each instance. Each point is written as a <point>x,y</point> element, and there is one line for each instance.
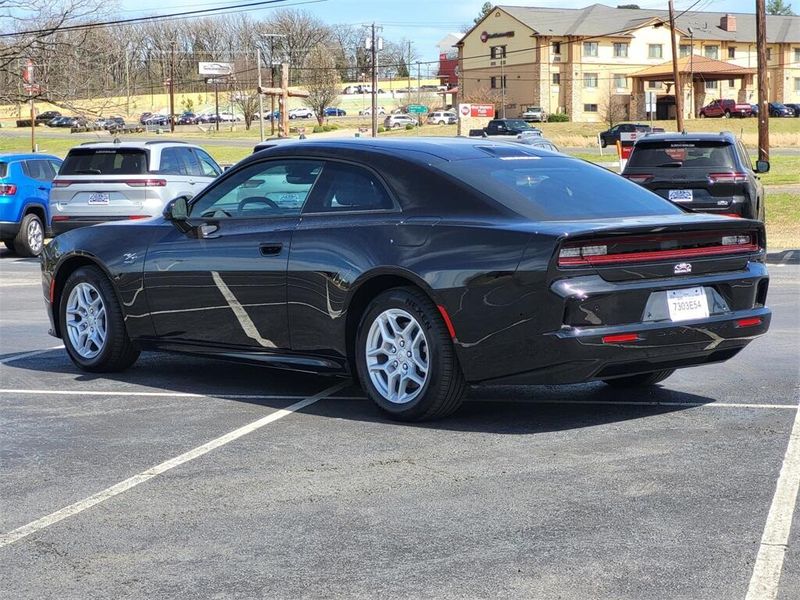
<point>702,115</point>
<point>405,357</point>
<point>92,324</point>
<point>603,143</point>
<point>30,237</point>
<point>640,380</point>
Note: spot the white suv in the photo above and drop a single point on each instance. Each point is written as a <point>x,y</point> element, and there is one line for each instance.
<point>301,113</point>
<point>397,121</point>
<point>106,181</point>
<point>444,117</point>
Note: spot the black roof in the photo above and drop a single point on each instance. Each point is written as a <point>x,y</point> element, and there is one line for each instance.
<point>442,148</point>
<point>674,136</point>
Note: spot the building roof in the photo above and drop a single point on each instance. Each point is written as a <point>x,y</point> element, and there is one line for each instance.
<point>601,20</point>
<point>700,67</point>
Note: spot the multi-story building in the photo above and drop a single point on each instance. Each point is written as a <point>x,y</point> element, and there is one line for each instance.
<point>585,62</point>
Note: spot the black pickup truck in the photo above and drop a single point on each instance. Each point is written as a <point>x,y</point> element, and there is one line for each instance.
<point>504,127</point>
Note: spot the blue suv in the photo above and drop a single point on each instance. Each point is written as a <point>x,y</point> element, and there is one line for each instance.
<point>25,181</point>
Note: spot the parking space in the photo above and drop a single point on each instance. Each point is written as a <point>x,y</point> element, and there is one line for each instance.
<point>550,492</point>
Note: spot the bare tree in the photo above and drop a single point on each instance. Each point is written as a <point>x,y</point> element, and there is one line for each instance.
<point>322,81</point>
<point>247,103</point>
<point>612,107</point>
<point>301,32</point>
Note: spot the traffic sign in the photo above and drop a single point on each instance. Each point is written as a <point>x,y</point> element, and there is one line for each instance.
<point>417,109</point>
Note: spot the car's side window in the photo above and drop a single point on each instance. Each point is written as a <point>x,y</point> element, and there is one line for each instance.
<point>39,170</point>
<point>55,166</point>
<point>177,161</point>
<point>208,168</point>
<point>344,187</point>
<point>273,188</point>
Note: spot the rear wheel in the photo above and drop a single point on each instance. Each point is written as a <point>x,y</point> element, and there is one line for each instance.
<point>405,357</point>
<point>30,237</point>
<point>603,143</point>
<point>702,115</point>
<point>727,114</point>
<point>92,324</point>
<point>640,380</point>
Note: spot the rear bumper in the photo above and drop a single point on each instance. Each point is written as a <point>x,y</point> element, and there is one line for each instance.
<point>660,346</point>
<point>8,229</point>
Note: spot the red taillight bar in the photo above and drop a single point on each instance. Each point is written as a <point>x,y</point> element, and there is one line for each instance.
<point>60,218</point>
<point>727,177</point>
<point>621,338</point>
<point>604,259</point>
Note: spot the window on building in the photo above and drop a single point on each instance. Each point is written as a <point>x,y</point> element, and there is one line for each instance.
<point>498,52</point>
<point>797,56</point>
<point>556,48</point>
<point>620,81</point>
<point>654,85</point>
<point>769,53</point>
<point>556,78</point>
<point>655,50</point>
<point>731,52</point>
<point>497,83</point>
<point>590,80</point>
<point>711,52</point>
<point>590,108</point>
<point>685,50</point>
<point>797,84</point>
<point>620,50</point>
<point>731,83</point>
<point>590,48</point>
<point>711,85</point>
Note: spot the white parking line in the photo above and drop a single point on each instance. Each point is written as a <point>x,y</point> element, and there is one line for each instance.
<point>9,359</point>
<point>775,539</point>
<point>131,482</point>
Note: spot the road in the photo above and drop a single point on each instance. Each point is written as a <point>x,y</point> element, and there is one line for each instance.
<point>567,492</point>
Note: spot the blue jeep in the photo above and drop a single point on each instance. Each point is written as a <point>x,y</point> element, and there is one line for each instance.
<point>25,181</point>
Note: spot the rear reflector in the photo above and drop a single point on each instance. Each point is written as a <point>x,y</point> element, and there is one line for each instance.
<point>750,322</point>
<point>620,338</point>
<point>450,329</point>
<point>731,215</point>
<point>639,178</point>
<point>137,217</point>
<point>727,177</point>
<point>8,189</point>
<point>60,218</point>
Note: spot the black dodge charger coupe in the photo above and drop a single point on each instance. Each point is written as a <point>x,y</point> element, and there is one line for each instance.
<point>418,266</point>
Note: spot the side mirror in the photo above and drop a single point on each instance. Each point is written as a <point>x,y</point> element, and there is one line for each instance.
<point>177,212</point>
<point>762,166</point>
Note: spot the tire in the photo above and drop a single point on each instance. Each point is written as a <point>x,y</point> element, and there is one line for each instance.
<point>603,143</point>
<point>30,237</point>
<point>115,352</point>
<point>640,380</point>
<point>438,385</point>
<point>727,114</point>
<point>702,115</point>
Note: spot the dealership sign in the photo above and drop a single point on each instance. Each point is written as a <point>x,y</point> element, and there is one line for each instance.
<point>215,68</point>
<point>476,110</point>
<point>486,36</point>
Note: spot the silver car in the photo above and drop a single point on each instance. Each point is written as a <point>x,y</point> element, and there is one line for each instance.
<point>100,182</point>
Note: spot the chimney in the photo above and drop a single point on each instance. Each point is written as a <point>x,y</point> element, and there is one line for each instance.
<point>728,23</point>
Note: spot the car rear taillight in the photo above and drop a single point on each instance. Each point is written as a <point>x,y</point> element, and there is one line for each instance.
<point>62,182</point>
<point>727,177</point>
<point>676,246</point>
<point>145,182</point>
<point>638,178</point>
<point>7,189</point>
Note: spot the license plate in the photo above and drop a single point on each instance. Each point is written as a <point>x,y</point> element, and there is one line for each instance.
<point>687,304</point>
<point>681,195</point>
<point>98,198</point>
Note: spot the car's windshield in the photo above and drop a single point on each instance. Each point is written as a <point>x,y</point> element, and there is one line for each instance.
<point>686,154</point>
<point>556,189</point>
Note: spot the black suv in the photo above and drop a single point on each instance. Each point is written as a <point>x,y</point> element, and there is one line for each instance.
<point>611,136</point>
<point>508,127</point>
<point>701,172</point>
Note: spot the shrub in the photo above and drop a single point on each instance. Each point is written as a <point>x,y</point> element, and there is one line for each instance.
<point>327,128</point>
<point>557,118</point>
<point>381,129</point>
<point>409,127</point>
<point>319,129</point>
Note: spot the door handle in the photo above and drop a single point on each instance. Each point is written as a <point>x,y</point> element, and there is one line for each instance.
<point>44,188</point>
<point>270,249</point>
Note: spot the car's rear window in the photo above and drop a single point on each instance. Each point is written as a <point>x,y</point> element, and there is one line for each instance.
<point>687,154</point>
<point>557,189</point>
<point>3,169</point>
<point>105,161</point>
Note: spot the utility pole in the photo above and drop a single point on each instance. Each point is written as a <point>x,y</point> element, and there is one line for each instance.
<point>503,83</point>
<point>284,108</point>
<point>763,96</point>
<point>408,66</point>
<point>172,90</point>
<point>260,97</point>
<point>419,85</point>
<point>374,53</point>
<point>676,75</point>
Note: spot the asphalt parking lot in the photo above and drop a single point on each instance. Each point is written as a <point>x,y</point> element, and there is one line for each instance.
<point>188,478</point>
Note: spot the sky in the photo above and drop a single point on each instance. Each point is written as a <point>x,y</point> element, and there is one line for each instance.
<point>425,22</point>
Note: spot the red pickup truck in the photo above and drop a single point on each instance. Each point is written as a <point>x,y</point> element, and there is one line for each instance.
<point>726,108</point>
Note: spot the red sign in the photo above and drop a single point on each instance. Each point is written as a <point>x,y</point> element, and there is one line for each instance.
<point>27,72</point>
<point>482,110</point>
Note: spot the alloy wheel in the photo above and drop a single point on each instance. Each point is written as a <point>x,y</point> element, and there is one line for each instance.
<point>397,356</point>
<point>86,320</point>
<point>35,236</point>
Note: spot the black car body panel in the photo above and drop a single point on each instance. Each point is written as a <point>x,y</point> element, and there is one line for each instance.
<point>720,179</point>
<point>289,292</point>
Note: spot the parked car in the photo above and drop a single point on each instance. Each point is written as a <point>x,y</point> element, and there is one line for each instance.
<point>611,136</point>
<point>64,122</point>
<point>702,172</point>
<point>158,121</point>
<point>368,111</point>
<point>186,118</point>
<point>101,182</point>
<point>536,141</point>
<point>144,116</point>
<point>228,117</point>
<point>726,109</point>
<point>795,107</point>
<point>534,114</point>
<point>398,121</point>
<point>506,127</point>
<point>47,115</point>
<point>754,110</point>
<point>114,123</point>
<point>24,211</point>
<point>442,118</point>
<point>349,277</point>
<point>776,109</point>
<point>301,113</point>
<point>332,111</point>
